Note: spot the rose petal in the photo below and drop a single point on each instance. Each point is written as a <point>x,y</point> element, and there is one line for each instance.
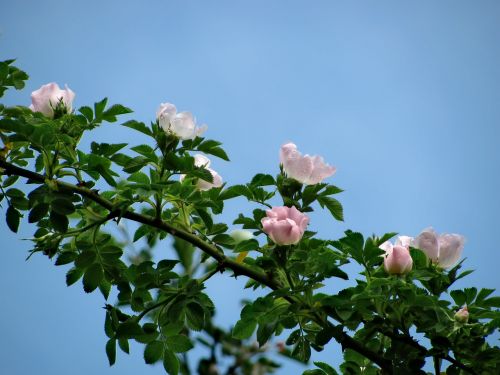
<point>450,249</point>
<point>427,241</point>
<point>320,171</point>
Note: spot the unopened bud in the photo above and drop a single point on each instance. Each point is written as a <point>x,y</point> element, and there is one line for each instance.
<point>462,315</point>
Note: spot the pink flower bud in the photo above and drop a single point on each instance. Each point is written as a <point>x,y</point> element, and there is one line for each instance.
<point>49,97</point>
<point>181,124</point>
<point>444,250</point>
<point>285,225</point>
<point>397,260</point>
<point>462,315</point>
<point>309,170</point>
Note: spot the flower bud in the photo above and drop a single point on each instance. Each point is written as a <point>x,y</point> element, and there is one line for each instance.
<point>462,315</point>
<point>240,235</point>
<point>398,261</point>
<point>285,225</point>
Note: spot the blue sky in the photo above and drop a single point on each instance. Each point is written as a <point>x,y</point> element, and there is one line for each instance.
<point>402,97</point>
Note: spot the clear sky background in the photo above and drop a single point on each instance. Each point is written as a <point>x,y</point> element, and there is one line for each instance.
<point>402,97</point>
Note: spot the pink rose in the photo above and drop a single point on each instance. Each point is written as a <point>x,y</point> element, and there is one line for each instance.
<point>50,97</point>
<point>462,315</point>
<point>397,258</point>
<point>444,250</point>
<point>180,124</point>
<point>309,170</point>
<point>285,225</point>
<point>203,161</point>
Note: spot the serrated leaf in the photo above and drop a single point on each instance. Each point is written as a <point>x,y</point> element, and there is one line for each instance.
<point>92,277</point>
<point>115,110</point>
<point>59,222</point>
<point>139,126</point>
<point>170,362</point>
<point>129,330</point>
<point>99,108</point>
<point>179,343</point>
<point>13,218</point>
<point>62,206</point>
<point>38,212</point>
<point>329,370</point>
<point>333,206</point>
<point>87,113</point>
<point>262,179</point>
<point>73,275</point>
<point>135,164</point>
<point>244,328</point>
<point>235,191</point>
<point>153,352</point>
<point>141,232</point>
<point>195,316</point>
<point>65,257</point>
<point>111,351</point>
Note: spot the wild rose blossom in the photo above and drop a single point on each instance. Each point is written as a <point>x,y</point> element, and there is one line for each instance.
<point>203,161</point>
<point>181,124</point>
<point>309,170</point>
<point>397,258</point>
<point>50,97</point>
<point>285,225</point>
<point>444,250</point>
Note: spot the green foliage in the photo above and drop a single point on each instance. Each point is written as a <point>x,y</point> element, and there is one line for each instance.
<point>76,198</point>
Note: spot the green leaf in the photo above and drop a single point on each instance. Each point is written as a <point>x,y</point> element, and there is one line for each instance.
<point>139,126</point>
<point>62,206</point>
<point>38,212</point>
<point>491,302</point>
<point>123,344</point>
<point>314,372</point>
<point>326,368</point>
<point>263,180</point>
<point>458,296</point>
<point>59,222</point>
<point>85,258</point>
<point>73,275</point>
<point>141,232</point>
<point>87,113</point>
<point>117,109</point>
<point>135,164</point>
<point>111,351</point>
<point>179,343</point>
<point>483,293</point>
<point>235,191</point>
<point>246,245</point>
<point>302,350</point>
<point>244,328</point>
<point>153,352</point>
<point>13,218</point>
<point>170,362</point>
<point>65,257</point>
<point>333,206</point>
<point>212,147</point>
<point>99,108</point>
<point>195,316</point>
<point>129,330</point>
<point>92,277</point>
